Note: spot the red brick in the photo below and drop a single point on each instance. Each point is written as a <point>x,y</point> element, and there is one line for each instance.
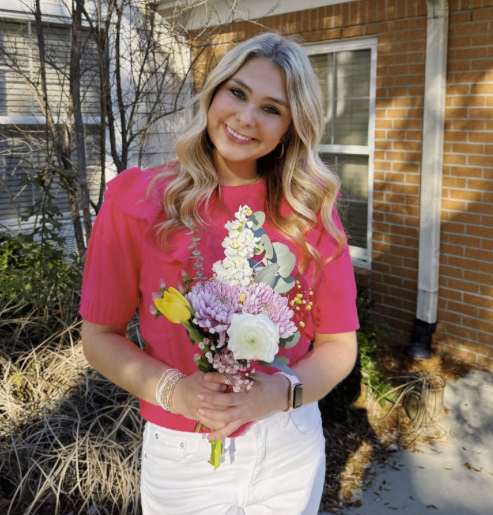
<point>474,323</point>
<point>464,286</point>
<point>465,171</point>
<point>484,137</point>
<point>460,353</point>
<point>450,294</point>
<point>482,15</point>
<point>478,89</point>
<point>482,40</point>
<point>454,159</point>
<point>480,160</point>
<point>468,125</point>
<point>469,264</point>
<point>458,66</point>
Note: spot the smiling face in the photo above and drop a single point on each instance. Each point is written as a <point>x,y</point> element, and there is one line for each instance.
<point>249,114</point>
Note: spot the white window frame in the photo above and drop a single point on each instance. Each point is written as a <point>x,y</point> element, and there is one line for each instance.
<point>360,257</point>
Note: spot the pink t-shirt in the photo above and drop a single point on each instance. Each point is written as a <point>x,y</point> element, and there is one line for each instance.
<point>125,263</point>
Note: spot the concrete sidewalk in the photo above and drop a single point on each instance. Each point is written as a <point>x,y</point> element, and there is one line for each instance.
<point>455,478</point>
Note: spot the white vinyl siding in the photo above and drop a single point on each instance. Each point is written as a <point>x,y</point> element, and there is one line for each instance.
<point>346,73</point>
<point>22,123</point>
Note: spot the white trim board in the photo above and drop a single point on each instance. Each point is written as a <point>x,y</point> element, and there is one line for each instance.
<point>215,12</point>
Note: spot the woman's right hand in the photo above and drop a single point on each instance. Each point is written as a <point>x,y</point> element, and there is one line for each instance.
<point>185,400</point>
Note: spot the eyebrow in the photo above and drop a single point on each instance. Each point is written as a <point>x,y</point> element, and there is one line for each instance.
<point>272,99</point>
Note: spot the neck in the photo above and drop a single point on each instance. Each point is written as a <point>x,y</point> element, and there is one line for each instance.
<point>235,174</point>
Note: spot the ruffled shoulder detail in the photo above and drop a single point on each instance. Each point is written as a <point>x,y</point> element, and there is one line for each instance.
<point>129,191</point>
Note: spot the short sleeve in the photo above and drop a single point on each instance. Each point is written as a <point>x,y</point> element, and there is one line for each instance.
<point>110,286</point>
<point>334,293</point>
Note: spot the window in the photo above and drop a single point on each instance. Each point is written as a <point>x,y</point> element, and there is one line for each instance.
<point>346,73</point>
<point>23,149</point>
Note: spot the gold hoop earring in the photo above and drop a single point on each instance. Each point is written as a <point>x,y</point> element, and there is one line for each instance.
<point>282,151</point>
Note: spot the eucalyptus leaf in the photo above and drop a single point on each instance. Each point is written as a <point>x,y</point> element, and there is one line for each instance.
<point>280,248</point>
<point>267,275</point>
<point>259,232</point>
<point>286,264</point>
<point>258,219</point>
<point>277,364</point>
<point>282,359</point>
<point>268,248</point>
<point>255,265</point>
<point>291,341</point>
<point>283,284</point>
<point>261,378</point>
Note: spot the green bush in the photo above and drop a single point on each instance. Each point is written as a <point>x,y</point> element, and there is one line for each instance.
<point>338,404</point>
<point>40,280</point>
<point>35,275</point>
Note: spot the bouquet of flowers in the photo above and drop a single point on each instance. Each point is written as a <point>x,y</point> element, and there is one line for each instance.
<point>241,316</point>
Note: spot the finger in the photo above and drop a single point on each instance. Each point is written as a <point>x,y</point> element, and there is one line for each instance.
<point>220,399</point>
<point>226,431</point>
<point>212,407</point>
<point>224,416</point>
<point>215,377</point>
<point>215,387</point>
<point>211,424</point>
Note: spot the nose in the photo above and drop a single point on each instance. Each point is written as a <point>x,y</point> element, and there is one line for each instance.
<point>246,116</point>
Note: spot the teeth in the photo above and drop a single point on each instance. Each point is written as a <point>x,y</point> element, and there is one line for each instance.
<point>236,135</point>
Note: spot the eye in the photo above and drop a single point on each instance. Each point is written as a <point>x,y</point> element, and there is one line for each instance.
<point>237,93</point>
<point>271,110</point>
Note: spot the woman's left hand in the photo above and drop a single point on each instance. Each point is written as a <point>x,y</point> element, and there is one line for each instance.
<point>237,408</point>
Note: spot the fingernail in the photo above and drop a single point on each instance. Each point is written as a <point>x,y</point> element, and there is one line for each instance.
<point>200,411</point>
<point>200,397</point>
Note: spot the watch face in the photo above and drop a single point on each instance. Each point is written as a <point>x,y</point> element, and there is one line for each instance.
<point>297,396</point>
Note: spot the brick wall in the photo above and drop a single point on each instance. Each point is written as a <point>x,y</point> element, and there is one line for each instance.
<point>466,270</point>
<point>466,293</point>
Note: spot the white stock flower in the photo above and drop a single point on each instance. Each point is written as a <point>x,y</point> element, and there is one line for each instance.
<point>243,244</point>
<point>253,337</point>
<point>235,270</point>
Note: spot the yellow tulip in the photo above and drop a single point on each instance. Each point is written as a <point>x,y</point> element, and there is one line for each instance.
<point>174,306</point>
<point>178,296</point>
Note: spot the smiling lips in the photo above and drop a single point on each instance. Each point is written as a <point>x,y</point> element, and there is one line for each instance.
<point>237,138</point>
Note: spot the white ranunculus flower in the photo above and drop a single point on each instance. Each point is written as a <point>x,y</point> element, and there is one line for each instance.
<point>253,337</point>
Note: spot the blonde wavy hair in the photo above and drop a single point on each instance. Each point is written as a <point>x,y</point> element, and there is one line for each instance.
<point>300,176</point>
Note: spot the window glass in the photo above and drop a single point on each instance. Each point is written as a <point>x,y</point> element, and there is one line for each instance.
<point>353,171</point>
<point>344,78</point>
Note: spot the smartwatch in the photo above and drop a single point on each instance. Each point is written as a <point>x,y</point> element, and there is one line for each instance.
<point>295,399</point>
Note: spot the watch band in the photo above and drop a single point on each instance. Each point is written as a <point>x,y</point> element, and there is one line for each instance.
<point>295,399</point>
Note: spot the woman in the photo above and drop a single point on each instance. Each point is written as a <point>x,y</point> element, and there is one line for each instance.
<point>251,139</point>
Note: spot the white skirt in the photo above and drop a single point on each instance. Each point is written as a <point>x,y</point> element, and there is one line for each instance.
<point>276,467</point>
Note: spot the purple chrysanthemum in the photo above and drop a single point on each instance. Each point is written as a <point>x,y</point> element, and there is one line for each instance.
<point>260,298</point>
<point>214,304</point>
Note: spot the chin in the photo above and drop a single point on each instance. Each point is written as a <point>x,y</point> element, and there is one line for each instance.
<point>234,155</point>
